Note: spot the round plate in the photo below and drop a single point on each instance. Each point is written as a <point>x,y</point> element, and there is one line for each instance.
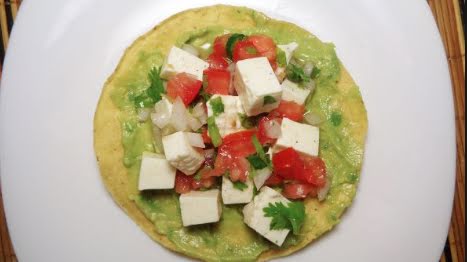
<point>61,52</point>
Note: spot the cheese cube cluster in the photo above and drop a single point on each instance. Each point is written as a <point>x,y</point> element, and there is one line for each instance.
<point>301,137</point>
<point>253,215</point>
<point>181,154</point>
<point>155,172</point>
<point>232,195</point>
<point>228,122</point>
<point>257,85</point>
<point>180,61</point>
<point>200,207</point>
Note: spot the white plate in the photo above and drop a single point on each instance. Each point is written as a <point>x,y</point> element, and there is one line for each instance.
<point>61,52</point>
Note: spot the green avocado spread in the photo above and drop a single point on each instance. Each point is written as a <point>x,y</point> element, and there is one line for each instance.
<point>231,239</point>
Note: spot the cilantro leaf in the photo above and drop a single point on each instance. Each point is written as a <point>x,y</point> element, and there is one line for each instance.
<point>213,131</point>
<point>289,217</point>
<point>268,100</point>
<point>259,149</point>
<point>217,106</point>
<point>296,74</point>
<point>246,122</point>
<point>239,185</point>
<point>315,72</point>
<point>153,93</point>
<point>281,57</point>
<point>256,162</point>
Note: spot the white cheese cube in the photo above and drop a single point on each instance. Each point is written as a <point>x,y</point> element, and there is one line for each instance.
<point>228,122</point>
<point>301,137</point>
<point>181,154</point>
<point>232,195</point>
<point>253,215</point>
<point>257,85</point>
<point>200,207</point>
<point>288,50</point>
<point>155,172</point>
<point>179,61</point>
<point>195,139</point>
<point>292,92</point>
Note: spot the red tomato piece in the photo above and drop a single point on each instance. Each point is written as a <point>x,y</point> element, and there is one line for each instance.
<point>183,183</point>
<point>289,109</point>
<point>288,164</point>
<point>218,81</point>
<point>204,134</point>
<point>185,86</point>
<point>219,45</point>
<point>217,61</point>
<point>262,130</point>
<point>315,171</point>
<point>231,155</point>
<point>274,180</point>
<point>244,49</point>
<point>298,190</point>
<point>265,46</point>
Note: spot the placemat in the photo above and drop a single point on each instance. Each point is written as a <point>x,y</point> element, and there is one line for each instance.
<point>449,17</point>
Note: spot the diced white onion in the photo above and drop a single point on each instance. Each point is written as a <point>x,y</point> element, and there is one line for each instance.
<point>310,85</point>
<point>195,139</point>
<point>273,129</point>
<point>199,112</point>
<point>308,68</point>
<point>162,115</point>
<point>157,134</point>
<point>143,114</point>
<point>313,119</point>
<point>179,116</point>
<point>193,122</point>
<point>190,49</point>
<point>261,176</point>
<point>323,192</point>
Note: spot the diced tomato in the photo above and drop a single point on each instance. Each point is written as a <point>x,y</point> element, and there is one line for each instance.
<point>205,181</point>
<point>183,183</point>
<point>244,49</point>
<point>217,61</point>
<point>288,164</point>
<point>264,45</point>
<point>262,127</point>
<point>315,171</point>
<point>219,45</point>
<point>185,86</point>
<point>204,134</point>
<point>289,109</point>
<point>274,180</point>
<point>232,155</point>
<point>298,190</point>
<point>218,81</point>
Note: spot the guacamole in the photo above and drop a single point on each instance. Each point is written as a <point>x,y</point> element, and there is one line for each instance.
<point>120,138</point>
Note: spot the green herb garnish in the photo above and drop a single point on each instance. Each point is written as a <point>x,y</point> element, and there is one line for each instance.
<point>281,57</point>
<point>296,74</point>
<point>246,122</point>
<point>153,93</point>
<point>197,177</point>
<point>256,162</point>
<point>234,38</point>
<point>268,100</point>
<point>315,72</point>
<point>259,149</point>
<point>289,217</point>
<point>239,185</point>
<point>213,131</point>
<point>217,106</point>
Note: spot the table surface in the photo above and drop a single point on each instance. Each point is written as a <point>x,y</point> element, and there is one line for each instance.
<point>449,17</point>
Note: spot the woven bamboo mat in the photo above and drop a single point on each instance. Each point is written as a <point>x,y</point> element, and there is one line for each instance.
<point>449,17</point>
